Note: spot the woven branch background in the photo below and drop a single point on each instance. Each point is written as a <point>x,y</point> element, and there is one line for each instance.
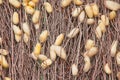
<point>22,67</point>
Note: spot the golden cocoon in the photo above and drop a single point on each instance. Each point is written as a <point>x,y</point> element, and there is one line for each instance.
<point>73,32</point>
<point>87,65</point>
<point>35,1</point>
<point>43,36</point>
<point>15,3</point>
<point>18,38</point>
<point>26,37</point>
<point>113,49</point>
<point>107,69</point>
<point>90,21</point>
<point>31,3</point>
<point>92,52</point>
<point>74,69</point>
<point>59,39</point>
<point>65,3</point>
<point>48,7</point>
<point>81,16</point>
<point>26,28</point>
<point>118,75</point>
<point>42,57</point>
<point>52,53</point>
<point>77,2</point>
<point>89,44</point>
<point>29,10</point>
<point>76,12</point>
<point>15,18</point>
<point>118,58</point>
<point>112,15</point>
<point>95,9</point>
<point>36,16</point>
<point>98,32</point>
<point>102,27</point>
<point>16,30</point>
<point>105,20</point>
<point>37,49</point>
<point>1,1</point>
<point>112,5</point>
<point>89,11</point>
<point>46,63</point>
<point>3,52</point>
<point>3,61</point>
<point>32,55</point>
<point>7,78</point>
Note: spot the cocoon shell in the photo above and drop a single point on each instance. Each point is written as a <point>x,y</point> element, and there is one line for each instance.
<point>112,15</point>
<point>26,38</point>
<point>81,17</point>
<point>37,49</point>
<point>16,30</point>
<point>26,28</point>
<point>74,69</point>
<point>73,32</point>
<point>42,57</point>
<point>87,65</point>
<point>3,52</point>
<point>105,20</point>
<point>46,63</point>
<point>65,3</point>
<point>90,21</point>
<point>102,27</point>
<point>98,32</point>
<point>15,3</point>
<point>52,53</point>
<point>43,36</point>
<point>114,48</point>
<point>76,12</point>
<point>77,2</point>
<point>93,51</point>
<point>15,18</point>
<point>36,16</point>
<point>89,44</point>
<point>48,7</point>
<point>3,61</point>
<point>18,38</point>
<point>89,11</point>
<point>95,9</point>
<point>32,55</point>
<point>29,10</point>
<point>59,39</point>
<point>107,69</point>
<point>31,3</point>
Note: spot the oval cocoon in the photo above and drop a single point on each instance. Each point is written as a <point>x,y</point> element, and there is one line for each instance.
<point>48,7</point>
<point>73,32</point>
<point>65,3</point>
<point>74,70</point>
<point>59,39</point>
<point>15,18</point>
<point>36,16</point>
<point>43,36</point>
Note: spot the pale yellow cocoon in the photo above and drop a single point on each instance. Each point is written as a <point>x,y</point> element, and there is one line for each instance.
<point>52,53</point>
<point>35,1</point>
<point>90,21</point>
<point>29,10</point>
<point>77,2</point>
<point>112,5</point>
<point>37,26</point>
<point>65,3</point>
<point>1,2</point>
<point>74,69</point>
<point>89,11</point>
<point>18,38</point>
<point>95,9</point>
<point>4,52</point>
<point>15,3</point>
<point>46,63</point>
<point>98,32</point>
<point>118,58</point>
<point>112,15</point>
<point>37,49</point>
<point>31,3</point>
<point>3,61</point>
<point>73,32</point>
<point>26,28</point>
<point>42,57</point>
<point>102,27</point>
<point>43,36</point>
<point>7,78</point>
<point>76,12</point>
<point>107,69</point>
<point>16,30</point>
<point>87,65</point>
<point>59,39</point>
<point>113,49</point>
<point>81,16</point>
<point>92,52</point>
<point>89,44</point>
<point>26,38</point>
<point>48,7</point>
<point>36,16</point>
<point>15,18</point>
<point>105,20</point>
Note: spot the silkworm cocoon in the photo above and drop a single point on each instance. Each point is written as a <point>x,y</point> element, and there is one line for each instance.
<point>118,58</point>
<point>98,32</point>
<point>89,44</point>
<point>16,30</point>
<point>118,75</point>
<point>102,27</point>
<point>95,9</point>
<point>26,28</point>
<point>1,2</point>
<point>3,61</point>
<point>105,19</point>
<point>18,38</point>
<point>52,53</point>
<point>36,16</point>
<point>81,16</point>
<point>1,40</point>
<point>26,37</point>
<point>114,48</point>
<point>74,69</point>
<point>4,52</point>
<point>93,51</point>
<point>107,69</point>
<point>32,55</point>
<point>46,63</point>
<point>112,15</point>
<point>15,3</point>
<point>59,39</point>
<point>7,78</point>
<point>37,26</point>
<point>65,3</point>
<point>90,21</point>
<point>77,2</point>
<point>35,1</point>
<point>15,18</point>
<point>89,11</point>
<point>87,65</point>
<point>48,7</point>
<point>37,49</point>
<point>60,51</point>
<point>73,32</point>
<point>42,57</point>
<point>112,5</point>
<point>31,3</point>
<point>43,36</point>
<point>76,12</point>
<point>29,10</point>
